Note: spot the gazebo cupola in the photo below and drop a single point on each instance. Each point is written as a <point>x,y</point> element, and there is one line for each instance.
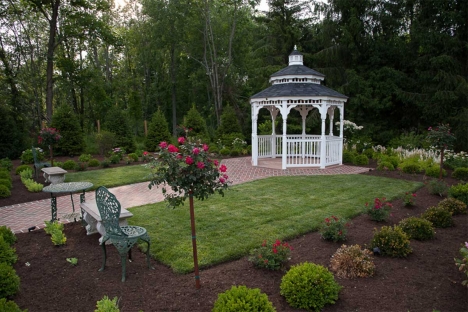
<point>298,87</point>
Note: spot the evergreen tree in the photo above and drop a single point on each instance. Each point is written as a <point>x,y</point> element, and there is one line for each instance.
<point>67,123</point>
<point>229,122</point>
<point>158,131</point>
<point>117,123</point>
<point>196,124</point>
<point>11,137</point>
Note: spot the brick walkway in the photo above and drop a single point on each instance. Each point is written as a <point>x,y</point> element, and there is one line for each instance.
<point>23,216</point>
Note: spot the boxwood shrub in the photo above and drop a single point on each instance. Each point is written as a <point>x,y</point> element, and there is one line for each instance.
<point>391,242</point>
<point>440,217</point>
<point>9,280</point>
<point>460,192</point>
<point>417,228</point>
<point>453,205</point>
<point>460,173</point>
<point>241,298</point>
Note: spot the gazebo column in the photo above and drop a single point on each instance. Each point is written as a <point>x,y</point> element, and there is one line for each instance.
<point>323,140</point>
<point>274,113</point>
<point>331,112</point>
<point>254,135</point>
<point>284,115</point>
<point>341,108</point>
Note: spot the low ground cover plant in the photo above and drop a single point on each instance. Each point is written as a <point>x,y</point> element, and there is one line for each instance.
<point>27,180</point>
<point>380,210</point>
<point>453,205</point>
<point>271,255</point>
<point>334,228</point>
<point>107,305</point>
<point>438,216</point>
<point>309,286</point>
<point>352,261</point>
<point>462,263</point>
<point>393,242</point>
<point>241,298</point>
<point>55,230</point>
<point>417,228</point>
<point>21,168</point>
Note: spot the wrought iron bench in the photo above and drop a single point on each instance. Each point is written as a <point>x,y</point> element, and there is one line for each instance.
<point>38,165</point>
<point>122,237</point>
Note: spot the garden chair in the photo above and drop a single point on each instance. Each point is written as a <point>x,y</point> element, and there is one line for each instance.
<point>122,237</point>
<point>38,165</point>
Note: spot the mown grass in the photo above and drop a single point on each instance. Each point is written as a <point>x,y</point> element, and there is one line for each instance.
<point>279,207</point>
<point>111,177</point>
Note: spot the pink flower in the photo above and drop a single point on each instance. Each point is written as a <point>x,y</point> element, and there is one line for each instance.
<point>188,160</point>
<point>179,156</point>
<point>196,151</point>
<point>216,163</point>
<point>181,140</point>
<point>221,180</point>
<point>430,128</point>
<point>466,244</point>
<point>225,176</point>
<point>200,165</point>
<point>275,250</point>
<point>163,145</point>
<point>172,149</point>
<point>205,147</point>
<point>223,168</point>
<point>145,153</point>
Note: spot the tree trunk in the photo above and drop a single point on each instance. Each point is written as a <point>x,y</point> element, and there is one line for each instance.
<point>441,163</point>
<point>50,58</point>
<point>194,242</point>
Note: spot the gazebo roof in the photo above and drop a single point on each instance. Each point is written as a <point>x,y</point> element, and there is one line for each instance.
<point>297,90</point>
<point>294,70</point>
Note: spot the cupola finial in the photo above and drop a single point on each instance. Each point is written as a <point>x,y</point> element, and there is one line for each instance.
<point>295,47</point>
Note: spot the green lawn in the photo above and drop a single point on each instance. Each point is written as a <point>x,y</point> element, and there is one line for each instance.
<point>111,177</point>
<point>280,207</point>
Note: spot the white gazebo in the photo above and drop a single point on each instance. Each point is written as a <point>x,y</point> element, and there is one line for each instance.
<point>298,87</point>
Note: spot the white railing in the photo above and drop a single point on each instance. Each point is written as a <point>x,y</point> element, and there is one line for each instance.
<point>303,153</point>
<point>333,151</point>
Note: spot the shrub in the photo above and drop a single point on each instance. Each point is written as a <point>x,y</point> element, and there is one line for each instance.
<point>69,165</point>
<point>235,152</point>
<point>361,160</point>
<point>369,152</point>
<point>22,168</point>
<point>434,171</point>
<point>81,166</point>
<point>4,191</point>
<point>233,140</point>
<point>58,238</point>
<point>213,149</point>
<point>409,199</point>
<point>65,120</point>
<point>225,151</point>
<point>392,242</point>
<point>58,164</point>
<point>391,159</point>
<point>334,229</point>
<point>417,228</point>
<point>114,159</point>
<point>84,158</point>
<point>107,305</point>
<point>440,217</point>
<point>380,210</point>
<point>7,183</point>
<point>453,205</point>
<point>9,306</point>
<point>8,236</point>
<point>133,156</point>
<point>241,298</point>
<point>410,167</point>
<point>352,261</point>
<point>309,286</point>
<point>32,185</point>
<point>9,280</point>
<point>26,174</point>
<point>438,187</point>
<point>105,163</point>
<point>270,255</point>
<point>52,226</point>
<point>194,121</point>
<point>462,263</point>
<point>348,157</point>
<point>460,192</point>
<point>27,156</point>
<point>229,122</point>
<point>460,173</point>
<point>5,175</point>
<point>106,141</point>
<point>117,122</point>
<point>6,164</point>
<point>385,166</point>
<point>158,131</point>
<point>7,253</point>
<point>94,162</point>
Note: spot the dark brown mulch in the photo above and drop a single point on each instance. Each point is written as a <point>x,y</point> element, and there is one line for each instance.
<point>425,280</point>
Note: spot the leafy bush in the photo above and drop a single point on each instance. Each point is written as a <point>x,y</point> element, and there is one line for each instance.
<point>453,205</point>
<point>229,122</point>
<point>460,192</point>
<point>438,187</point>
<point>133,156</point>
<point>6,164</point>
<point>434,171</point>
<point>309,286</point>
<point>105,163</point>
<point>84,158</point>
<point>213,149</point>
<point>334,229</point>
<point>7,183</point>
<point>26,174</point>
<point>348,157</point>
<point>225,151</point>
<point>53,226</point>
<point>241,298</point>
<point>361,160</point>
<point>409,199</point>
<point>4,191</point>
<point>352,261</point>
<point>105,140</point>
<point>67,122</point>
<point>391,159</point>
<point>235,152</point>
<point>9,306</point>
<point>81,166</point>
<point>22,168</point>
<point>69,165</point>
<point>158,131</point>
<point>9,280</point>
<point>32,185</point>
<point>385,166</point>
<point>462,263</point>
<point>107,305</point>
<point>460,173</point>
<point>5,175</point>
<point>440,217</point>
<point>410,167</point>
<point>8,236</point>
<point>58,238</point>
<point>380,210</point>
<point>27,156</point>
<point>7,253</point>
<point>94,162</point>
<point>114,159</point>
<point>117,122</point>
<point>392,242</point>
<point>233,140</point>
<point>417,228</point>
<point>194,121</point>
<point>270,255</point>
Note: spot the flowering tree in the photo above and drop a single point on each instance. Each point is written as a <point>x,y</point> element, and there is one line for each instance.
<point>188,172</point>
<point>441,138</point>
<point>49,137</point>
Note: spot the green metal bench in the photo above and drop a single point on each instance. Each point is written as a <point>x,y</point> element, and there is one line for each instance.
<point>38,165</point>
<point>122,237</point>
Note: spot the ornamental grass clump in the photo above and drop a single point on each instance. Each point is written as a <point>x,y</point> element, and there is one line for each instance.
<point>334,229</point>
<point>309,286</point>
<point>437,187</point>
<point>241,298</point>
<point>417,228</point>
<point>453,205</point>
<point>462,263</point>
<point>352,261</point>
<point>380,210</point>
<point>393,242</point>
<point>438,216</point>
<point>271,255</point>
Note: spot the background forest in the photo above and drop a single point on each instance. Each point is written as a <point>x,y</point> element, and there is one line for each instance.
<point>71,63</point>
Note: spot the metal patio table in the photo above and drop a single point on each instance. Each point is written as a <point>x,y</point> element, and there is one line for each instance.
<point>68,187</point>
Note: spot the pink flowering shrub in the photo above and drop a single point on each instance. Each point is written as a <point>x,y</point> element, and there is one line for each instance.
<point>380,210</point>
<point>49,136</point>
<point>271,255</point>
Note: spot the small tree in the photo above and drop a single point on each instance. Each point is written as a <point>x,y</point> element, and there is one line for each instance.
<point>189,173</point>
<point>441,138</point>
<point>197,125</point>
<point>67,122</point>
<point>49,137</point>
<point>158,131</point>
<point>117,123</point>
<point>229,122</point>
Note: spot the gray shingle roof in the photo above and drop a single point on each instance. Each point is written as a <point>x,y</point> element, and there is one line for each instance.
<point>297,89</point>
<point>297,70</point>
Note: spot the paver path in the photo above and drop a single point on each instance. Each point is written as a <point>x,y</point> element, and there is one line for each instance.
<point>23,216</point>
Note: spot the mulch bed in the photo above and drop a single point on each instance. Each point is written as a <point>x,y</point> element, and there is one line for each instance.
<point>426,280</point>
